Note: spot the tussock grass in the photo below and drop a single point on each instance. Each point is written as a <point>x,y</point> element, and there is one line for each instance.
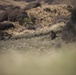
<point>41,32</point>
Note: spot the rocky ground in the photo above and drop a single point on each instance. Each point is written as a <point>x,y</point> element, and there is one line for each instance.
<point>31,20</point>
<point>27,20</point>
<point>40,16</point>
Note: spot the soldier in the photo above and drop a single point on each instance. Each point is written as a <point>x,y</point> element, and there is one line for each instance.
<point>53,35</point>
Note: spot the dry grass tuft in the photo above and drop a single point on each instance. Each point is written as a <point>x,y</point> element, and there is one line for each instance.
<point>45,18</point>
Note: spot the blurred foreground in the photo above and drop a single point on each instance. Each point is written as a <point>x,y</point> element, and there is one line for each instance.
<point>51,61</point>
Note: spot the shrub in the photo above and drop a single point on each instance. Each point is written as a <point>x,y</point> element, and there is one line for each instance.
<point>32,5</point>
<point>17,15</point>
<point>33,19</point>
<point>26,22</point>
<point>48,1</point>
<point>73,15</point>
<point>6,25</point>
<point>3,16</point>
<point>69,8</point>
<point>29,24</point>
<point>47,9</point>
<point>5,35</point>
<point>8,7</point>
<point>69,31</point>
<point>60,18</point>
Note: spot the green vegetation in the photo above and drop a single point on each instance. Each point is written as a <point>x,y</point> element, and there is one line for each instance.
<point>69,8</point>
<point>27,22</point>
